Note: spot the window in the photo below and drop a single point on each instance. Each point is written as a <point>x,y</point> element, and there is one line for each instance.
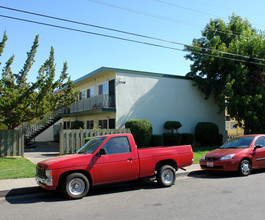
<point>66,125</point>
<point>103,124</point>
<point>112,123</point>
<point>103,88</point>
<point>230,125</point>
<point>260,141</point>
<point>90,124</point>
<point>117,145</point>
<point>90,92</point>
<point>82,95</point>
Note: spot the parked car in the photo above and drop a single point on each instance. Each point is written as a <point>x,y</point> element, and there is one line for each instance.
<point>240,154</point>
<point>108,159</point>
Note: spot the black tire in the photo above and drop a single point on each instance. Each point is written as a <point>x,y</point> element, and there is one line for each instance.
<point>166,176</point>
<point>75,186</point>
<point>245,167</point>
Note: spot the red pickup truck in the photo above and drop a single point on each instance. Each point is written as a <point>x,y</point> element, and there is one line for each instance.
<point>108,159</point>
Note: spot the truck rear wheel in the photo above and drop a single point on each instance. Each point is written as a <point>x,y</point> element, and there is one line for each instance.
<point>166,176</point>
<point>75,186</point>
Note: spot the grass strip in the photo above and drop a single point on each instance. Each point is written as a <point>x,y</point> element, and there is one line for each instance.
<point>13,168</point>
<point>198,152</point>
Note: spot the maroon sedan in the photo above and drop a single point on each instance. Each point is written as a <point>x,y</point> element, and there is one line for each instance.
<point>240,154</point>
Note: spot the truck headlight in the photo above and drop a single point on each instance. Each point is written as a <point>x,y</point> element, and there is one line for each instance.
<point>48,173</point>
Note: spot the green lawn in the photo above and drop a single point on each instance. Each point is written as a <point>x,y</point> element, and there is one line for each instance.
<point>198,152</point>
<point>13,168</point>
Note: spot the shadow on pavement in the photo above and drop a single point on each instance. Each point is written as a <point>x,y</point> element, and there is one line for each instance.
<point>36,194</point>
<point>210,174</point>
<point>43,147</point>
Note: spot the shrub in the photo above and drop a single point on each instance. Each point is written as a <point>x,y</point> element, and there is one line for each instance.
<point>219,140</point>
<point>56,137</point>
<point>157,140</point>
<point>88,139</point>
<point>3,126</point>
<point>172,139</point>
<point>141,130</point>
<point>207,134</point>
<point>170,125</point>
<point>77,124</point>
<point>187,139</point>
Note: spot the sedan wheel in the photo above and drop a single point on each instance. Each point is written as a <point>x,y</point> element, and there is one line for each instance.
<point>245,168</point>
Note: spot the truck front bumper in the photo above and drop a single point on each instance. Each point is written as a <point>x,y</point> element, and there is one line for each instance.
<point>46,183</point>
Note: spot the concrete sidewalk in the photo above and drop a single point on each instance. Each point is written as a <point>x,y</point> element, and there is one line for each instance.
<point>29,185</point>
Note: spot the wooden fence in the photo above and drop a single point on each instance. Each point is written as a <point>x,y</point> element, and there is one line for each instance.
<point>11,143</point>
<point>72,140</point>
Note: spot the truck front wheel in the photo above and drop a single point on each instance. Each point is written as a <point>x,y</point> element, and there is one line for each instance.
<point>166,176</point>
<point>75,186</point>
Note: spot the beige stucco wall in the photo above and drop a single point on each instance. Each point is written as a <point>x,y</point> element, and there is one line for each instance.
<point>161,99</point>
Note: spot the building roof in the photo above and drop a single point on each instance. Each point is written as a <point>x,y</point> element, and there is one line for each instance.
<point>109,69</point>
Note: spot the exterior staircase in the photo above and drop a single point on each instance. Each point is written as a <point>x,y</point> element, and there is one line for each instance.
<point>33,130</point>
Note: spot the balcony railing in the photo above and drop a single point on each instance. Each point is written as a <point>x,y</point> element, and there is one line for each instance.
<point>93,103</point>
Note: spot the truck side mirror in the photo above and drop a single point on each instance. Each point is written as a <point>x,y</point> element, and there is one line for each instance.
<point>257,147</point>
<point>102,152</point>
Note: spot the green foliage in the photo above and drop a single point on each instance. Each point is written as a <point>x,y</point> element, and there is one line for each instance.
<point>237,86</point>
<point>141,130</point>
<point>3,126</point>
<point>171,139</point>
<point>77,125</point>
<point>22,101</point>
<point>207,134</point>
<point>157,140</point>
<point>170,125</point>
<point>187,138</point>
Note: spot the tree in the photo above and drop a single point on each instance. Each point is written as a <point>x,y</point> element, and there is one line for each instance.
<point>236,82</point>
<point>22,101</point>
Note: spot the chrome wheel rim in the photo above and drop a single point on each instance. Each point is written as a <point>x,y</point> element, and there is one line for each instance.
<point>245,168</point>
<point>77,186</point>
<point>168,176</point>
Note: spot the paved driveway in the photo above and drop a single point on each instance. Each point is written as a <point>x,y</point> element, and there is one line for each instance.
<point>41,151</point>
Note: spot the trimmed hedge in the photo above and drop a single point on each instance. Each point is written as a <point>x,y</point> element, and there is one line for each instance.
<point>171,139</point>
<point>141,130</point>
<point>207,134</point>
<point>170,125</point>
<point>157,140</point>
<point>187,139</point>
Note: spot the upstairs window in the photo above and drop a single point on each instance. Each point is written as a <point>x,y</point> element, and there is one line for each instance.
<point>103,88</point>
<point>82,95</point>
<point>90,92</point>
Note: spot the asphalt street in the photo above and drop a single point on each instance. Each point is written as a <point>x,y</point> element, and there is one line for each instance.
<point>200,195</point>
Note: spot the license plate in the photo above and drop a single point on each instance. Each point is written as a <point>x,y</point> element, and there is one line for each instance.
<point>209,164</point>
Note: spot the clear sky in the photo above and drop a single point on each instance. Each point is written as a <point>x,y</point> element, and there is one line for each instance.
<point>175,20</point>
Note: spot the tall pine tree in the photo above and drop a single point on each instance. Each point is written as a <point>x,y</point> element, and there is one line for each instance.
<point>22,101</point>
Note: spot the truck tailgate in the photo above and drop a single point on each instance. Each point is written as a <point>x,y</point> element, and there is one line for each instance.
<point>149,157</point>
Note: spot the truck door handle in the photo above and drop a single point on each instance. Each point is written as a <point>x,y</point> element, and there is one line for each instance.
<point>130,159</point>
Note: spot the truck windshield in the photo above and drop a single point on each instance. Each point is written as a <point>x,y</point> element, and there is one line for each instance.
<point>240,142</point>
<point>91,146</point>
